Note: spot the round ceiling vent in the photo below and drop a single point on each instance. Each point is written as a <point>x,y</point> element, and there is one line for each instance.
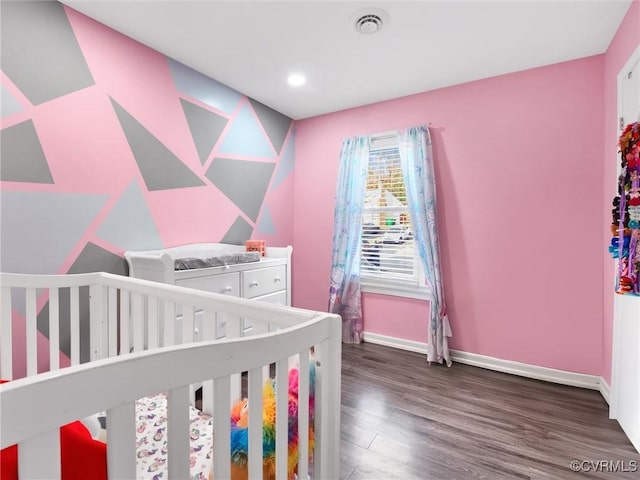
<point>370,20</point>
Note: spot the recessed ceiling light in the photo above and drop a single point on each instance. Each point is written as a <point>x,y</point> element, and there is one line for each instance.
<point>296,80</point>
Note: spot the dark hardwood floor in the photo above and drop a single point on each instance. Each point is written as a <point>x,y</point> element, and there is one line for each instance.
<point>404,419</point>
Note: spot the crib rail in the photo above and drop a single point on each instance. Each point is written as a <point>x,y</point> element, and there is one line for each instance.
<point>114,384</point>
<point>123,315</point>
<point>163,338</point>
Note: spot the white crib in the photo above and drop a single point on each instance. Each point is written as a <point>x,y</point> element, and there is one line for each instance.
<point>139,348</point>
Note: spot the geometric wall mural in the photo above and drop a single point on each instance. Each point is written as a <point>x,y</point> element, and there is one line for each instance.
<point>275,124</point>
<point>238,233</point>
<point>199,86</point>
<point>245,182</point>
<point>21,155</point>
<point>129,225</point>
<point>40,53</point>
<point>139,197</point>
<point>245,136</point>
<point>205,127</point>
<point>8,104</point>
<point>161,169</point>
<point>287,161</point>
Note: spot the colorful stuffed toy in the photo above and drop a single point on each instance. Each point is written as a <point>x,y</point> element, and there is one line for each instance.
<point>240,436</point>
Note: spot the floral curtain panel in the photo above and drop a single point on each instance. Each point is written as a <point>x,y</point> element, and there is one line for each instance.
<point>416,159</point>
<point>344,291</point>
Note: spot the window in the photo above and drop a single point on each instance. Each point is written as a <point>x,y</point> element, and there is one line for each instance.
<point>389,260</point>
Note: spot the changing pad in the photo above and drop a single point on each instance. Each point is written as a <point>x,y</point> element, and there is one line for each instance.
<point>191,262</point>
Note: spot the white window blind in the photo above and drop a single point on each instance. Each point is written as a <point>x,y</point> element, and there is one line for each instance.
<point>388,247</point>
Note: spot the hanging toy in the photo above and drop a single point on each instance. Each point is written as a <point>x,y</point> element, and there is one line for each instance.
<point>625,225</point>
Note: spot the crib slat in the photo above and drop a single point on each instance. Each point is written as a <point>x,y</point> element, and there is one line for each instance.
<point>112,321</point>
<point>259,327</point>
<point>6,339</point>
<point>321,404</point>
<point>303,414</point>
<point>97,322</point>
<point>137,321</point>
<point>208,325</point>
<point>327,406</point>
<point>188,323</point>
<point>221,325</point>
<point>54,329</point>
<point>255,423</point>
<point>222,429</point>
<point>39,457</point>
<point>74,324</point>
<point>282,414</point>
<point>32,332</point>
<point>152,325</point>
<point>121,441</point>
<point>125,322</point>
<point>169,324</point>
<point>178,432</point>
<point>233,329</point>
<point>208,334</point>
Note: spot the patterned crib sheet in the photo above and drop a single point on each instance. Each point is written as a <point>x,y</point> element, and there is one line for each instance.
<point>151,440</point>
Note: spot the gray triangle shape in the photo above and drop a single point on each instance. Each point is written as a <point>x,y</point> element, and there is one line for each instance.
<point>92,259</point>
<point>206,128</point>
<point>22,157</point>
<point>274,123</point>
<point>129,225</point>
<point>161,169</point>
<point>244,182</point>
<point>40,52</point>
<point>238,233</point>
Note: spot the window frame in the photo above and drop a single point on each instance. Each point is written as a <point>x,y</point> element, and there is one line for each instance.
<point>377,283</point>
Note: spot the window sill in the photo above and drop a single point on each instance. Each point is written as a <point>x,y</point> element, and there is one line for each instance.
<point>396,289</point>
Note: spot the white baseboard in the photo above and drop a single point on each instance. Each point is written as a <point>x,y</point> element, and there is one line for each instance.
<point>400,343</point>
<point>562,377</point>
<point>605,390</point>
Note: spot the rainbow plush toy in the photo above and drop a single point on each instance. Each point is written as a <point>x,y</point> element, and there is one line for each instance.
<point>625,226</point>
<point>239,428</point>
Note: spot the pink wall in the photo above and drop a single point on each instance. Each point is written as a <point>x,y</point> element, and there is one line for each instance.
<point>518,165</point>
<point>626,40</point>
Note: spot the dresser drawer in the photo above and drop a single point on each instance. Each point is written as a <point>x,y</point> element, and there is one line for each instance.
<point>227,283</point>
<point>264,280</point>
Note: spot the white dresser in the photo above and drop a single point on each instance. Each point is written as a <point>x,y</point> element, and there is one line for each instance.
<point>267,280</point>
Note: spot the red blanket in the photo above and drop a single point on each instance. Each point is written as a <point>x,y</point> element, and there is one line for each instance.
<point>82,456</point>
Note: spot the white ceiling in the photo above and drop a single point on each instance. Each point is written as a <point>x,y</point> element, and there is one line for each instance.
<point>252,46</point>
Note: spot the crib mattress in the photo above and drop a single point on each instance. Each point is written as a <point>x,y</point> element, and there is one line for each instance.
<point>202,261</point>
<point>151,440</point>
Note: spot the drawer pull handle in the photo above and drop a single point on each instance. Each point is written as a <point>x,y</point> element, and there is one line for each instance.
<point>228,289</point>
<point>253,284</point>
<point>277,279</point>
